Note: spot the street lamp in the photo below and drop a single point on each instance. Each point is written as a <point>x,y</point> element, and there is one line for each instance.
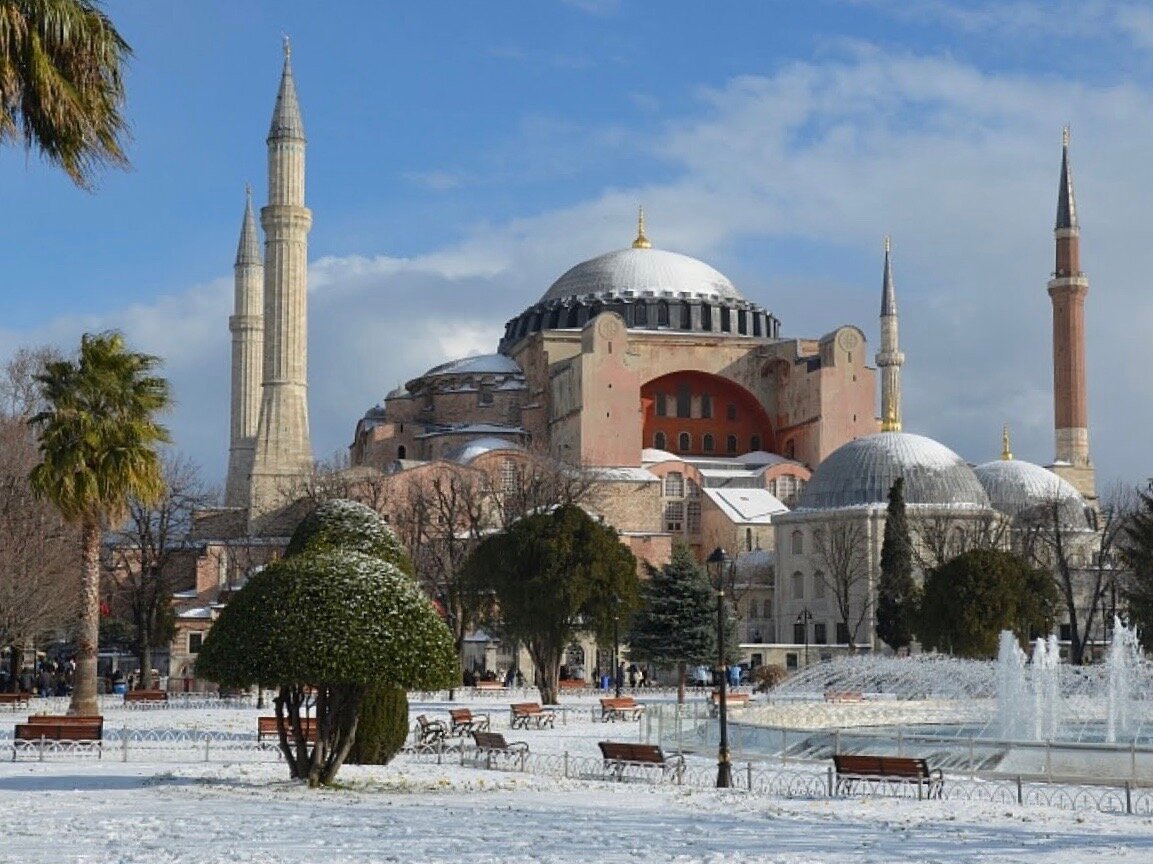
<point>617,650</point>
<point>716,562</point>
<point>803,619</point>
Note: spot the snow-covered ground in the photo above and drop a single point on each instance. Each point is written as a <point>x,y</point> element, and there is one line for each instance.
<point>84,810</point>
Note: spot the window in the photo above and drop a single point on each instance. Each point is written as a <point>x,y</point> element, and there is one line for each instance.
<point>706,405</point>
<point>684,442</point>
<point>686,317</point>
<point>508,476</point>
<point>684,401</point>
<point>195,640</point>
<point>659,440</point>
<point>731,445</point>
<point>706,317</point>
<point>707,443</point>
<point>692,488</point>
<point>662,314</point>
<point>819,635</point>
<point>484,395</point>
<point>799,633</point>
<point>726,320</point>
<point>674,485</point>
<point>748,539</point>
<point>798,543</point>
<point>790,449</point>
<point>693,517</point>
<point>401,452</point>
<point>819,585</point>
<point>798,586</point>
<point>791,661</point>
<point>755,442</point>
<point>662,405</point>
<point>674,515</point>
<point>842,633</point>
<point>818,538</point>
<point>731,411</point>
<point>641,314</point>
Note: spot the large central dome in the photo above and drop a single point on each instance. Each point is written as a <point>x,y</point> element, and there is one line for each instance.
<point>638,270</point>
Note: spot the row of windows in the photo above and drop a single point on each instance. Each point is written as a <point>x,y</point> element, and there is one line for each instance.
<point>819,586</point>
<point>678,486</point>
<point>637,314</point>
<point>708,442</point>
<point>820,633</point>
<point>682,516</point>
<point>683,404</point>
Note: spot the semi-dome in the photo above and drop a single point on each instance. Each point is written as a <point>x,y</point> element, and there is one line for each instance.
<point>1018,488</point>
<point>863,471</point>
<point>638,270</point>
<point>478,364</point>
<point>477,447</point>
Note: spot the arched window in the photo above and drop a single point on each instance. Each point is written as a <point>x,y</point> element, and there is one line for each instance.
<point>819,585</point>
<point>662,314</point>
<point>661,407</point>
<point>726,320</point>
<point>706,317</point>
<point>790,449</point>
<point>401,452</point>
<point>674,485</point>
<point>731,445</point>
<point>508,476</point>
<point>707,443</point>
<point>755,442</point>
<point>686,317</point>
<point>798,545</point>
<point>818,539</point>
<point>731,411</point>
<point>684,442</point>
<point>684,400</point>
<point>798,585</point>
<point>573,317</point>
<point>641,314</point>
<point>659,441</point>
<point>706,406</point>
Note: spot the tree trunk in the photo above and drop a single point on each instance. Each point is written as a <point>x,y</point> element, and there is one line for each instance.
<point>144,680</point>
<point>84,701</point>
<point>682,673</point>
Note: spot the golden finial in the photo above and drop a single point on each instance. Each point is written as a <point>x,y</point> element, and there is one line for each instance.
<point>891,423</point>
<point>287,46</point>
<point>1006,453</point>
<point>888,245</point>
<point>642,242</point>
<point>1065,135</point>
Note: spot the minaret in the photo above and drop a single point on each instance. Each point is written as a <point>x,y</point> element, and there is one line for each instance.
<point>283,453</point>
<point>1067,289</point>
<point>247,326</point>
<point>889,358</point>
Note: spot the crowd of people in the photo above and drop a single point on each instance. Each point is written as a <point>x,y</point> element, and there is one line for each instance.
<point>45,678</point>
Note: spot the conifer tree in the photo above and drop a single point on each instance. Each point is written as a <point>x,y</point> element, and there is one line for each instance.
<point>898,596</point>
<point>676,623</point>
<point>1137,550</point>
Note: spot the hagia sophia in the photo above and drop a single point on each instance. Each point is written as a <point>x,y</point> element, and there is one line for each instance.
<point>701,417</point>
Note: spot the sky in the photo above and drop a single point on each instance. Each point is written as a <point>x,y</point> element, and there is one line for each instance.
<point>462,156</point>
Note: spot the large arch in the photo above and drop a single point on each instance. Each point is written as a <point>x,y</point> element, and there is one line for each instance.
<point>699,409</point>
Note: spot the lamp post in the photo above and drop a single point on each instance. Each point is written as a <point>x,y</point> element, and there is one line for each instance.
<point>617,652</point>
<point>716,562</point>
<point>803,619</point>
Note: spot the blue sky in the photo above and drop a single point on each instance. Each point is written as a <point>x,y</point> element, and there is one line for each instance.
<point>462,156</point>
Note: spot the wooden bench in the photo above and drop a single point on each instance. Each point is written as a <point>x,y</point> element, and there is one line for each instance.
<point>492,747</point>
<point>732,700</point>
<point>429,732</point>
<point>572,684</point>
<point>523,714</point>
<point>853,770</point>
<point>484,687</point>
<point>624,708</point>
<point>464,721</point>
<point>619,756</point>
<point>15,700</point>
<point>844,696</point>
<point>44,728</point>
<point>266,728</point>
<point>145,696</point>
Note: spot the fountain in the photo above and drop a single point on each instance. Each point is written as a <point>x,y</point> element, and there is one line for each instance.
<point>1122,661</point>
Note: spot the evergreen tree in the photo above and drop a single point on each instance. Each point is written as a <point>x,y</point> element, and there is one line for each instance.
<point>676,622</point>
<point>1137,550</point>
<point>898,595</point>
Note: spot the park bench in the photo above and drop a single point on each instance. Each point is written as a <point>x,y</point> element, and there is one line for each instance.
<point>623,708</point>
<point>429,732</point>
<point>145,697</point>
<point>619,756</point>
<point>492,747</point>
<point>571,684</point>
<point>14,700</point>
<point>464,721</point>
<point>266,728</point>
<point>853,770</point>
<point>487,687</point>
<point>44,728</point>
<point>732,700</point>
<point>844,696</point>
<point>523,714</point>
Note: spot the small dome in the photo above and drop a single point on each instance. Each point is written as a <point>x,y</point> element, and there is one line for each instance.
<point>400,392</point>
<point>641,269</point>
<point>1016,487</point>
<point>863,471</point>
<point>466,453</point>
<point>481,364</point>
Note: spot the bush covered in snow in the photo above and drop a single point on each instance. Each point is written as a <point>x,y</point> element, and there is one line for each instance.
<point>341,524</point>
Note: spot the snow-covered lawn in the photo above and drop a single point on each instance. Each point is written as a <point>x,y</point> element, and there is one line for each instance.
<point>84,810</point>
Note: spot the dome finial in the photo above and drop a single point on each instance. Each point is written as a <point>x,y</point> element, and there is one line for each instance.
<point>287,46</point>
<point>1065,135</point>
<point>642,242</point>
<point>891,423</point>
<point>1006,453</point>
<point>888,244</point>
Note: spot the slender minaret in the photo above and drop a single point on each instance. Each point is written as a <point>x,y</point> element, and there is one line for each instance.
<point>283,453</point>
<point>1067,289</point>
<point>247,326</point>
<point>889,358</point>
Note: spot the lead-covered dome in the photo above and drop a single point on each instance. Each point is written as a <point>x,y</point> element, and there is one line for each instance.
<point>863,471</point>
<point>640,270</point>
<point>1020,489</point>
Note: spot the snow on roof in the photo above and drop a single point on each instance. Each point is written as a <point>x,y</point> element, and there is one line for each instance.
<point>652,456</point>
<point>195,612</point>
<point>625,474</point>
<point>747,506</point>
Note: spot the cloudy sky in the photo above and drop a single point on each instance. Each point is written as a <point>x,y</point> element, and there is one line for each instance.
<point>461,156</point>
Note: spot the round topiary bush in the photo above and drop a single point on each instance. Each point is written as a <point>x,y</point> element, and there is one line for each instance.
<point>343,525</point>
<point>383,726</point>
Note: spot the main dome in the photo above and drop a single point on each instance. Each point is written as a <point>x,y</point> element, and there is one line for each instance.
<point>638,270</point>
<point>863,471</point>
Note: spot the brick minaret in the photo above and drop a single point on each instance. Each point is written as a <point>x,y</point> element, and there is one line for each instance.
<point>1067,289</point>
<point>247,326</point>
<point>283,453</point>
<point>889,358</point>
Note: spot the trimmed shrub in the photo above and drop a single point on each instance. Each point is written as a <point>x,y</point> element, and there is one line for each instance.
<point>383,725</point>
<point>340,525</point>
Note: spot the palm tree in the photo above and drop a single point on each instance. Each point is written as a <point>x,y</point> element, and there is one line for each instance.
<point>61,84</point>
<point>98,437</point>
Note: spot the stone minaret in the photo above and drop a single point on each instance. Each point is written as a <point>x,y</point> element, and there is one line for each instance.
<point>283,453</point>
<point>889,358</point>
<point>1067,289</point>
<point>247,326</point>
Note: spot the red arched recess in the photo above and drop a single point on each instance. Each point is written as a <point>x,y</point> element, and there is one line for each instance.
<point>734,412</point>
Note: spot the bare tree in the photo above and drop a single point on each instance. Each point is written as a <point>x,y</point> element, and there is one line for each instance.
<point>1079,547</point>
<point>939,538</point>
<point>146,558</point>
<point>842,551</point>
